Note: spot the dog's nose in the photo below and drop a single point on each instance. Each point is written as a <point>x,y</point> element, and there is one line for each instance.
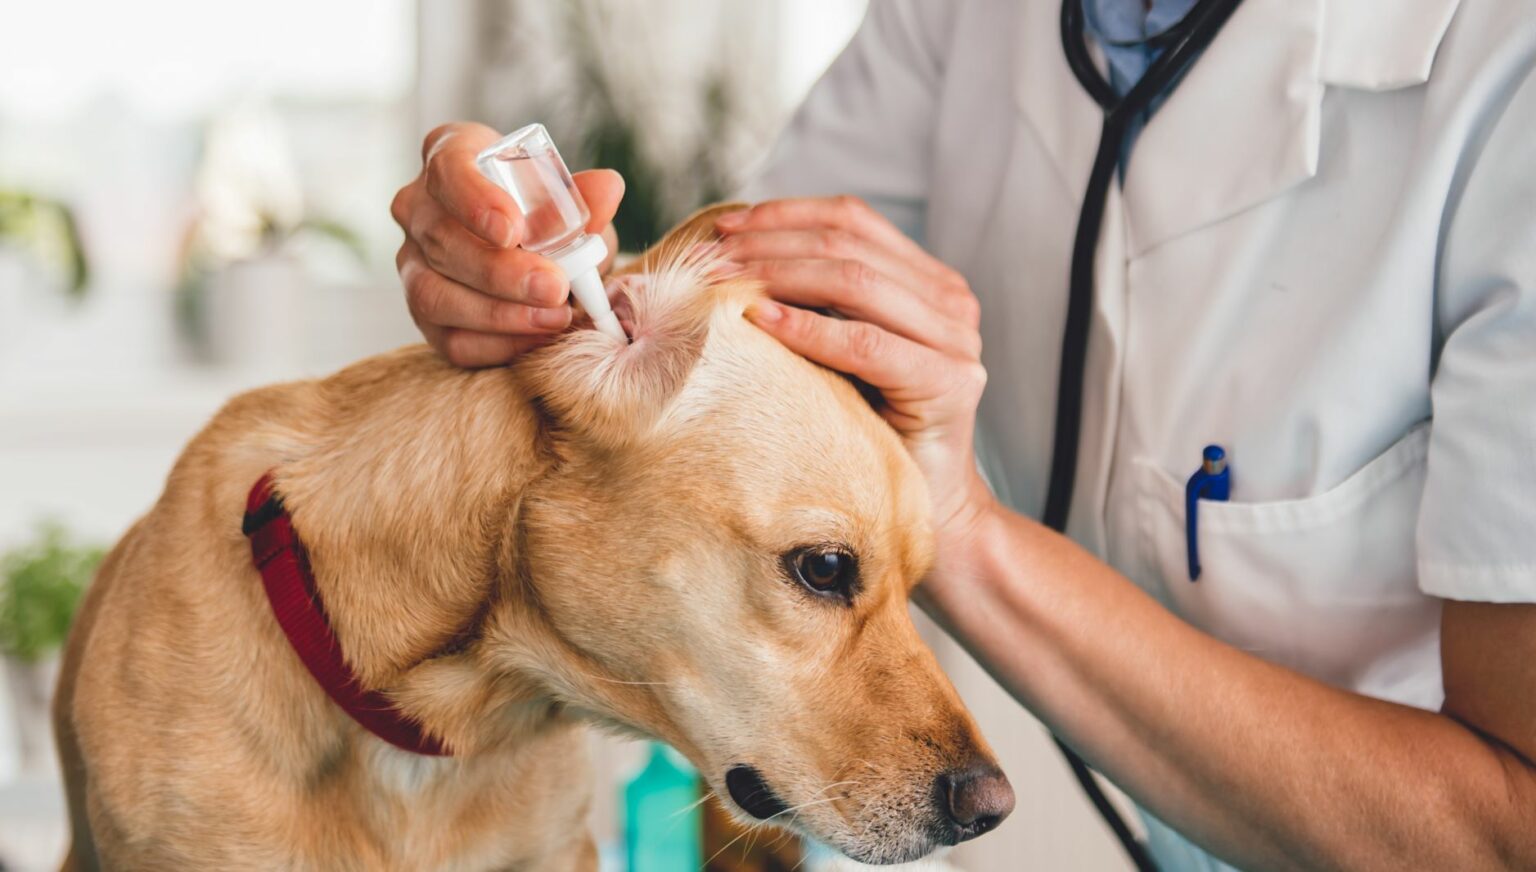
<point>973,800</point>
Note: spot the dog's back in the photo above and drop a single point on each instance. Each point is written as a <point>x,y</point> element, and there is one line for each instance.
<point>186,725</point>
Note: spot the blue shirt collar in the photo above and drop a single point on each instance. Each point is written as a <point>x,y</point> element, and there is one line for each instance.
<point>1122,28</point>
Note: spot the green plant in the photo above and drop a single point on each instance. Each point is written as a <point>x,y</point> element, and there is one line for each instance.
<point>199,262</point>
<point>47,230</point>
<point>250,204</point>
<point>40,587</point>
<point>275,236</point>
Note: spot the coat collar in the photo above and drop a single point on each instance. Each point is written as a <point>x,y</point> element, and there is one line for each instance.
<point>1381,46</point>
<point>1245,124</point>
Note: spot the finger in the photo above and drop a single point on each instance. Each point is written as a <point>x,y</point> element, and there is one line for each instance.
<point>859,291</point>
<point>892,364</point>
<point>602,189</point>
<point>846,212</point>
<point>829,244</point>
<point>438,300</point>
<point>473,350</point>
<point>509,273</point>
<point>611,237</point>
<point>453,180</point>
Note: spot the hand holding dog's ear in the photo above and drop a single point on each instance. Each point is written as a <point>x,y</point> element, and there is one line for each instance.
<point>911,328</point>
<point>478,298</point>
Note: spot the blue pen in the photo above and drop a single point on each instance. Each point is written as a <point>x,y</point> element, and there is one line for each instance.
<point>1212,481</point>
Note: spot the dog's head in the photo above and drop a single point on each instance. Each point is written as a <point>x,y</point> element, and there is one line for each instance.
<point>724,549</point>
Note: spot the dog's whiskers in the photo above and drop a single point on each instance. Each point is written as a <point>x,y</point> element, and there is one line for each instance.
<point>755,827</point>
<point>833,784</point>
<point>794,812</point>
<point>632,683</point>
<point>708,795</point>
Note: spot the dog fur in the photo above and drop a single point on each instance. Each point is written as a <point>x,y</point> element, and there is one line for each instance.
<point>590,536</point>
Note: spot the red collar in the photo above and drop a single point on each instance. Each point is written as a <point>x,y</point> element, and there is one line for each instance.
<point>290,584</point>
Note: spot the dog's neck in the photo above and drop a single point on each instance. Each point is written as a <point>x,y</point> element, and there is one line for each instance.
<point>402,579</point>
<point>406,582</point>
<point>428,595</point>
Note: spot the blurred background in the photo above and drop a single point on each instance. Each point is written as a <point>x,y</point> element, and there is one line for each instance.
<point>194,200</point>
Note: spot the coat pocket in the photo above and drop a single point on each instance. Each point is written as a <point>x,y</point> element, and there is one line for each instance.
<point>1325,585</point>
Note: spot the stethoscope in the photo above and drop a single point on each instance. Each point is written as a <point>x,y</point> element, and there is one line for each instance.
<point>1180,45</point>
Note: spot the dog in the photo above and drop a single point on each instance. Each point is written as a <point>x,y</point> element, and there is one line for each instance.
<point>698,536</point>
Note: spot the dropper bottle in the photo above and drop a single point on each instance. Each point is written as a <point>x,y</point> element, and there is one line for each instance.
<point>526,165</point>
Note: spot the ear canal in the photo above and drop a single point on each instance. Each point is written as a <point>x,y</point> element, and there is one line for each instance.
<point>612,394</point>
<point>609,394</point>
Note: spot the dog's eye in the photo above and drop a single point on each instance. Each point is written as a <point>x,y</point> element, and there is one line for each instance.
<point>824,570</point>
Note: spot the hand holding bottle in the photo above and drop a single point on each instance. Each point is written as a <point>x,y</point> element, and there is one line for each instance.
<point>479,299</point>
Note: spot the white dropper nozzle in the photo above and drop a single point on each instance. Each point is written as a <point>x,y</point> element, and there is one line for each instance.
<point>526,165</point>
<point>580,260</point>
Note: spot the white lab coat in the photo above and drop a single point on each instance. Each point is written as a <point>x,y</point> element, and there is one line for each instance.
<point>1323,258</point>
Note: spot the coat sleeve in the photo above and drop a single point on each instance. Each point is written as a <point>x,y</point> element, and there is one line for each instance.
<point>867,126</point>
<point>1477,524</point>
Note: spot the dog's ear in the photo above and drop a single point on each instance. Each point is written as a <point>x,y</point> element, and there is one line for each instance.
<point>594,388</point>
<point>613,394</point>
<point>696,228</point>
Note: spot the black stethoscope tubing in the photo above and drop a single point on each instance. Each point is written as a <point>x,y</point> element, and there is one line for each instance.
<point>1181,44</point>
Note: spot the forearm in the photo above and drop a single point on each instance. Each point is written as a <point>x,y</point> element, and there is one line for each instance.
<point>1260,764</point>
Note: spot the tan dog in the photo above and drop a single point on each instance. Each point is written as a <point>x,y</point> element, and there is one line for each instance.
<point>699,536</point>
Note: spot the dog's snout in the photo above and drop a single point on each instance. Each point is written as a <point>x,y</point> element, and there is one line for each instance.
<point>973,800</point>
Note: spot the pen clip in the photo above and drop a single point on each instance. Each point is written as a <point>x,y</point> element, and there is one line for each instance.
<point>1212,481</point>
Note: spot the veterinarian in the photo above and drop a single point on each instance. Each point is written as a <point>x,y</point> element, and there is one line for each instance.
<point>1312,249</point>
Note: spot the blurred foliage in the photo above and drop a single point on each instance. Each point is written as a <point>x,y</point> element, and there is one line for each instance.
<point>656,194</point>
<point>40,587</point>
<point>199,263</point>
<point>250,204</point>
<point>46,230</point>
<point>275,237</point>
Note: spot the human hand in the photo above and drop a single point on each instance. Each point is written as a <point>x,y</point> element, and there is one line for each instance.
<point>911,330</point>
<point>476,297</point>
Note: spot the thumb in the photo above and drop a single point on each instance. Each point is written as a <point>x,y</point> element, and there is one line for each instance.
<point>602,189</point>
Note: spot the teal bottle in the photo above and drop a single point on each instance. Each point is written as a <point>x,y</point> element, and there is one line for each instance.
<point>663,822</point>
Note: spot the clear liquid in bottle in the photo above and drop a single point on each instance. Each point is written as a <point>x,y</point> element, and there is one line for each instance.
<point>527,165</point>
